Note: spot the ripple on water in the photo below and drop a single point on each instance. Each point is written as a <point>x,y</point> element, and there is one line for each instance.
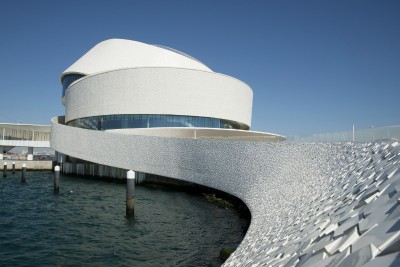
<point>85,224</point>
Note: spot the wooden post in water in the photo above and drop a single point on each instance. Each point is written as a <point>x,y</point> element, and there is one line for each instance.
<point>56,179</point>
<point>13,168</point>
<point>23,178</point>
<point>5,169</point>
<point>130,193</point>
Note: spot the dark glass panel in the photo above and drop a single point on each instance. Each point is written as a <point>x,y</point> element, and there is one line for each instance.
<point>68,79</point>
<point>150,120</point>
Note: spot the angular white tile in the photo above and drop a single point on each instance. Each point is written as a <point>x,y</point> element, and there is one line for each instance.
<point>390,260</point>
<point>379,235</point>
<point>360,257</point>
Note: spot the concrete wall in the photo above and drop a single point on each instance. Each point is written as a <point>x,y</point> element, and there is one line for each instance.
<point>30,165</point>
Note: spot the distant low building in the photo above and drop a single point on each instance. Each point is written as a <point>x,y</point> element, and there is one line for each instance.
<point>23,135</point>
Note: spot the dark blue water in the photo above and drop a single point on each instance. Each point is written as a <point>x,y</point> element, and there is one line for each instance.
<point>85,224</point>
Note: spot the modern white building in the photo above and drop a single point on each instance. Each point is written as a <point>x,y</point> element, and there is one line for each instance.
<point>123,84</point>
<point>135,106</point>
<point>129,87</point>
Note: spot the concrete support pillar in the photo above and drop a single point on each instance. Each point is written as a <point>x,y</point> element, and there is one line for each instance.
<point>13,167</point>
<point>130,193</point>
<point>60,159</point>
<point>30,153</point>
<point>61,165</point>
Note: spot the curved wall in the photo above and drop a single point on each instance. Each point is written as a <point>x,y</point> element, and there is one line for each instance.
<point>313,204</point>
<point>166,91</point>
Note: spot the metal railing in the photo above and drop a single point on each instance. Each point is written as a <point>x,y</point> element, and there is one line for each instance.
<point>372,134</point>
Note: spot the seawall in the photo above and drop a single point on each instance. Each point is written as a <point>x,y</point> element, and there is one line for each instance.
<point>31,165</point>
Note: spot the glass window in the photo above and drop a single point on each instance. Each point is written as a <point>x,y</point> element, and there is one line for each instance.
<point>146,121</point>
<point>68,79</point>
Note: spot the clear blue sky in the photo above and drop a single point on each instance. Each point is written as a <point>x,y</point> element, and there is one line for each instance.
<point>314,66</point>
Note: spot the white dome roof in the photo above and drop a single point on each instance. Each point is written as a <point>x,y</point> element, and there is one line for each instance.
<point>115,54</point>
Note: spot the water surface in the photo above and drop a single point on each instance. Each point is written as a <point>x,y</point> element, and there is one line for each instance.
<point>85,224</point>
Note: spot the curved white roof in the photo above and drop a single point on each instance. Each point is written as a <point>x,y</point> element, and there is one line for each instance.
<point>115,54</point>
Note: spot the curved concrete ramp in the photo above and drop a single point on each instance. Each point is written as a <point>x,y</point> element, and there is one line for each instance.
<point>313,204</point>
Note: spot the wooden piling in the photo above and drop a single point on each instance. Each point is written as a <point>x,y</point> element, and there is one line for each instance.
<point>56,179</point>
<point>23,177</point>
<point>130,193</point>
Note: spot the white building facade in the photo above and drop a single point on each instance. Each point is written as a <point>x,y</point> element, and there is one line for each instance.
<point>134,88</point>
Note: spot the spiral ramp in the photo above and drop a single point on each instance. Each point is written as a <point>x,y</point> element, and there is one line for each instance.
<point>311,204</point>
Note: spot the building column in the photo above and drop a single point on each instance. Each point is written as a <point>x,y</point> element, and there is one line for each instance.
<point>60,157</point>
<point>1,152</point>
<point>30,153</point>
